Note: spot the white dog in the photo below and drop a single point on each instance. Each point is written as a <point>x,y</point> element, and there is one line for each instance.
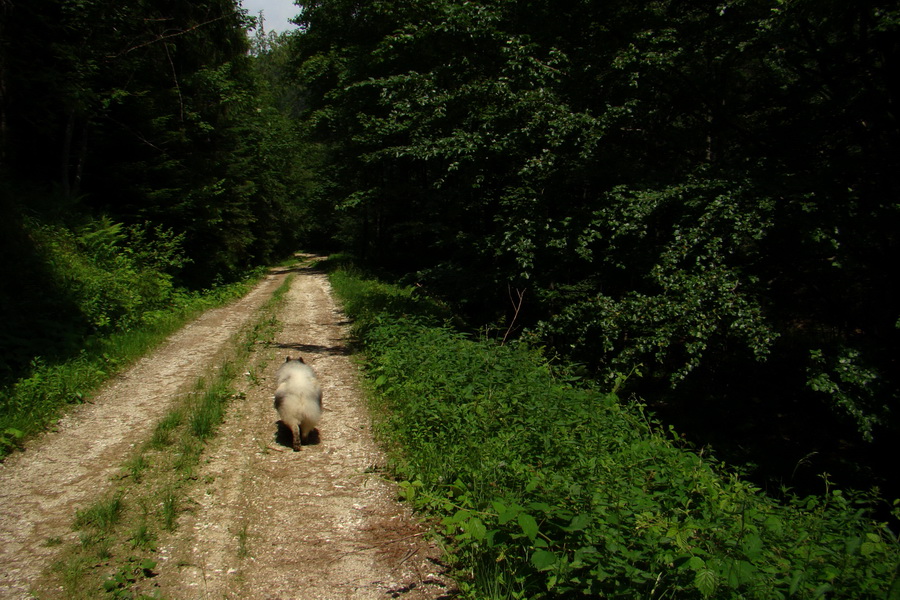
<point>298,398</point>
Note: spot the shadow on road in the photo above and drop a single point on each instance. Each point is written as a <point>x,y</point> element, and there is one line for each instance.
<point>284,437</point>
<point>339,350</point>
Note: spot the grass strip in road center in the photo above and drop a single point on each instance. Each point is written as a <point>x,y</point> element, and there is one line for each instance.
<point>119,533</point>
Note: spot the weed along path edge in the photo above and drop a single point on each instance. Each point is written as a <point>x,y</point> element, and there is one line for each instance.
<point>253,519</point>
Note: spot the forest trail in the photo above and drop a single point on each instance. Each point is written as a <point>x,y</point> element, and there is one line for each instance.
<point>263,521</point>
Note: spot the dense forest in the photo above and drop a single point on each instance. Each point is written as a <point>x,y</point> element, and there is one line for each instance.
<point>142,156</point>
<point>697,197</point>
<point>702,195</point>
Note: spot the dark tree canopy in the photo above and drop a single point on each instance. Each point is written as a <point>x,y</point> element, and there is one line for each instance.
<point>142,156</point>
<point>153,110</point>
<point>705,189</point>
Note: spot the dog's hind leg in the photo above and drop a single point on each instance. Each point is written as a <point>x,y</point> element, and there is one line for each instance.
<point>294,426</point>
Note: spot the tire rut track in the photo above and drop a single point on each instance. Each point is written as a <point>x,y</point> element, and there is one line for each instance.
<point>270,523</point>
<point>65,469</point>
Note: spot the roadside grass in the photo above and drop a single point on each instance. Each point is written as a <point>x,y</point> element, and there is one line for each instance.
<point>102,516</point>
<point>543,485</point>
<point>35,402</point>
<point>119,533</point>
<point>243,540</point>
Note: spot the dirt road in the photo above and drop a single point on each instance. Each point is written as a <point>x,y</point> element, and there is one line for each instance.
<point>264,521</point>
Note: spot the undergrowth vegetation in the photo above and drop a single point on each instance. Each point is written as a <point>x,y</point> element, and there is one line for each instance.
<point>118,535</point>
<point>545,486</point>
<point>91,298</point>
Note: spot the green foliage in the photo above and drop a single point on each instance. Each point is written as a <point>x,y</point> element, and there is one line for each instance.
<point>169,510</point>
<point>702,188</point>
<point>207,414</point>
<point>162,434</point>
<point>852,387</point>
<point>104,296</point>
<point>152,112</point>
<point>118,586</point>
<point>79,282</point>
<point>368,300</point>
<point>103,515</point>
<point>113,281</point>
<point>10,438</point>
<point>697,292</point>
<point>545,486</point>
<point>137,466</point>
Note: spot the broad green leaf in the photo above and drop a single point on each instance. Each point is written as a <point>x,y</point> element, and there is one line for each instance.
<point>705,581</point>
<point>475,527</point>
<point>753,546</point>
<point>528,524</point>
<point>148,564</point>
<point>543,560</point>
<point>868,548</point>
<point>579,522</point>
<point>774,524</point>
<point>505,513</point>
<point>796,580</point>
<point>739,572</point>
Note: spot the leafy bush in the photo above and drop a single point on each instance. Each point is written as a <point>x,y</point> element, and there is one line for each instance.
<point>370,301</point>
<point>94,298</point>
<point>114,274</point>
<point>548,487</point>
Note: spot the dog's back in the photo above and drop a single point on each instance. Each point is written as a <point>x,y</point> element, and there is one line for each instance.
<point>298,398</point>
